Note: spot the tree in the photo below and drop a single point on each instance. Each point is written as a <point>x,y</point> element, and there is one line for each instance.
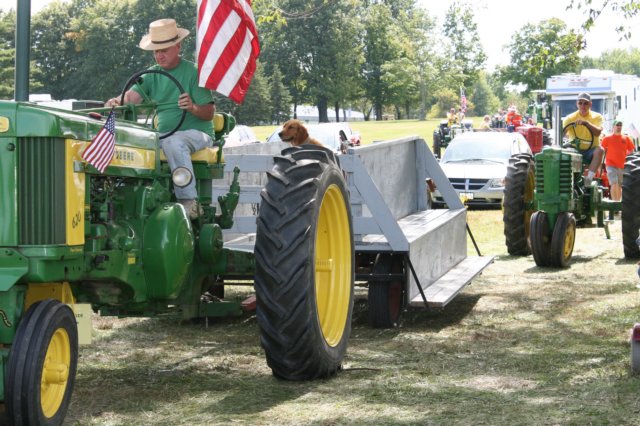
<point>540,51</point>
<point>483,99</point>
<point>280,98</point>
<point>461,32</point>
<point>7,54</point>
<point>381,46</point>
<point>592,10</point>
<point>257,105</point>
<point>622,61</point>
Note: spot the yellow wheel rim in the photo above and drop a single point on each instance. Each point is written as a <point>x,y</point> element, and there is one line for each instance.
<point>569,240</point>
<point>333,266</point>
<point>55,372</point>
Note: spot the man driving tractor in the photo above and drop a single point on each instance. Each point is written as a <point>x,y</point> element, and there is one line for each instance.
<point>585,126</point>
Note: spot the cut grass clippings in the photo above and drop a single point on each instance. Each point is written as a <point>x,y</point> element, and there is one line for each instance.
<point>522,345</point>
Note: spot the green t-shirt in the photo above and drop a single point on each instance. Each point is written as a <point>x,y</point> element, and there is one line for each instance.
<point>164,91</point>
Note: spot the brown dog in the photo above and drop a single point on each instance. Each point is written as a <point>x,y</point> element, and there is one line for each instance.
<point>294,132</point>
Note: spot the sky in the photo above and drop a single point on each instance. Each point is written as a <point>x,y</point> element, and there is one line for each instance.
<point>499,19</point>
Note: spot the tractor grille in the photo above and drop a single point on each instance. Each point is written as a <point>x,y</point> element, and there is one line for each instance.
<point>565,174</point>
<point>41,191</point>
<point>462,184</point>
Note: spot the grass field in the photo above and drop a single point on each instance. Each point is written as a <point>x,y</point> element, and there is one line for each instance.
<point>371,131</point>
<point>522,345</point>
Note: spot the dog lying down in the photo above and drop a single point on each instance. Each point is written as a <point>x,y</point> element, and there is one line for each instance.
<point>294,132</point>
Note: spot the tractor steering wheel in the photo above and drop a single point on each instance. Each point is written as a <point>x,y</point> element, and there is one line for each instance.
<point>577,142</point>
<point>136,78</point>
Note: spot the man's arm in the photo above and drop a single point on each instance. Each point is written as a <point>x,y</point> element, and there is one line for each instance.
<point>202,111</point>
<point>130,97</point>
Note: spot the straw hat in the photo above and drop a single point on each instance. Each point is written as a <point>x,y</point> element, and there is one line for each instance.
<point>163,33</point>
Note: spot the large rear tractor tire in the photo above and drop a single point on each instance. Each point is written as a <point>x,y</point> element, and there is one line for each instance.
<point>631,207</point>
<point>42,365</point>
<point>304,265</point>
<point>540,239</point>
<point>386,298</point>
<point>517,204</point>
<point>563,240</point>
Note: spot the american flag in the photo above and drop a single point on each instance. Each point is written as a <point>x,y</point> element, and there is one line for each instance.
<point>463,101</point>
<point>100,152</point>
<point>227,46</point>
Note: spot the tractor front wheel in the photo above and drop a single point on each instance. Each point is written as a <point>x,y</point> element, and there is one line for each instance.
<point>540,239</point>
<point>304,265</point>
<point>42,365</point>
<point>563,239</point>
<point>518,204</point>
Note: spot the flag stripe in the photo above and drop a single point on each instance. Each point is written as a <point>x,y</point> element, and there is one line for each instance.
<point>227,46</point>
<point>100,152</point>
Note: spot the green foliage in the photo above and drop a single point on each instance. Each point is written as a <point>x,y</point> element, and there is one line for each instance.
<point>257,105</point>
<point>280,98</point>
<point>626,9</point>
<point>540,51</point>
<point>484,101</point>
<point>7,53</point>
<point>461,32</point>
<point>621,61</point>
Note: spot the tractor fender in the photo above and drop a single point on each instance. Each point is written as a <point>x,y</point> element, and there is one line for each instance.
<point>168,250</point>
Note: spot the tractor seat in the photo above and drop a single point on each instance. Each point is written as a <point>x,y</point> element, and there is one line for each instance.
<point>208,155</point>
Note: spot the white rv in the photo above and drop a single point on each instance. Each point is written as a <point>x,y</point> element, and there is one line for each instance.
<point>615,96</point>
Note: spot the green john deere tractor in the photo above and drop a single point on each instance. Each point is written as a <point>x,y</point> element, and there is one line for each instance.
<point>120,242</point>
<point>546,199</point>
<point>444,134</point>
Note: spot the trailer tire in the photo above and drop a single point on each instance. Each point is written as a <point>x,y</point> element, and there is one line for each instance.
<point>42,365</point>
<point>386,298</point>
<point>540,238</point>
<point>563,240</point>
<point>631,207</point>
<point>304,265</point>
<point>517,204</point>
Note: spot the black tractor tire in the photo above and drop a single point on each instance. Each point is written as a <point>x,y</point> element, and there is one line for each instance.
<point>516,205</point>
<point>631,207</point>
<point>540,239</point>
<point>386,298</point>
<point>563,240</point>
<point>42,365</point>
<point>437,144</point>
<point>304,265</point>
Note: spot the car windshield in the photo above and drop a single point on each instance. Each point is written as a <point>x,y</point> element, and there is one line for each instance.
<point>477,150</point>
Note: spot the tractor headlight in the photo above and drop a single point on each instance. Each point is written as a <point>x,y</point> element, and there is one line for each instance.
<point>181,177</point>
<point>496,183</point>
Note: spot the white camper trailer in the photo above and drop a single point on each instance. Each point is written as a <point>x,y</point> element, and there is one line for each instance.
<point>615,96</point>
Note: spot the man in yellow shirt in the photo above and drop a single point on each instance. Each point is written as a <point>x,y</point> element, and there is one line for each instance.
<point>587,129</point>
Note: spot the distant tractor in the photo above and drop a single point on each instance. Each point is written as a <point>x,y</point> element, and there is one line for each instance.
<point>546,199</point>
<point>443,135</point>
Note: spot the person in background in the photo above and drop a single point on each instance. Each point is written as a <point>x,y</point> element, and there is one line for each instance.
<point>587,128</point>
<point>617,146</point>
<point>196,132</point>
<point>486,122</point>
<point>452,117</point>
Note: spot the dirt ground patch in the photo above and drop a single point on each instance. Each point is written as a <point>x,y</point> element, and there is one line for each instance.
<point>521,345</point>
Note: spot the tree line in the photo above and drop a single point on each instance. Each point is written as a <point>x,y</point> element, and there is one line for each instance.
<point>376,56</point>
